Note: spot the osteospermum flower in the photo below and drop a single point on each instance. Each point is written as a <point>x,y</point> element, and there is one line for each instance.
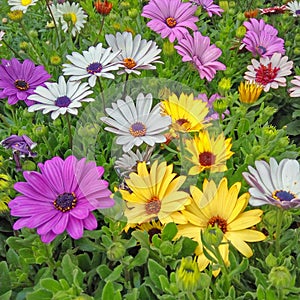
<point>136,54</point>
<point>153,227</point>
<point>153,194</point>
<point>60,98</point>
<point>222,207</point>
<point>201,54</point>
<point>187,114</point>
<point>94,63</point>
<point>209,6</point>
<point>21,4</point>
<point>61,197</point>
<point>19,80</point>
<point>259,25</point>
<point>249,92</point>
<point>294,7</point>
<point>136,124</point>
<point>1,36</point>
<point>295,90</point>
<point>208,153</point>
<point>269,72</point>
<point>275,184</point>
<point>273,10</point>
<point>170,18</point>
<point>70,16</point>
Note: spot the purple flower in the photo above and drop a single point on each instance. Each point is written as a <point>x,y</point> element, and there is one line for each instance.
<point>170,18</point>
<point>209,6</point>
<point>201,54</point>
<point>61,197</point>
<point>19,80</point>
<point>259,26</point>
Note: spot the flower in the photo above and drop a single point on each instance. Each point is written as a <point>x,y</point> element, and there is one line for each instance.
<point>21,4</point>
<point>94,63</point>
<point>71,16</point>
<point>187,115</point>
<point>136,124</point>
<point>1,36</point>
<point>103,8</point>
<point>208,153</point>
<point>170,18</point>
<point>295,90</point>
<point>60,98</point>
<point>153,227</point>
<point>273,10</point>
<point>209,6</point>
<point>21,144</point>
<point>136,54</point>
<point>201,54</point>
<point>251,13</point>
<point>275,184</point>
<point>269,72</point>
<point>61,197</point>
<point>259,25</point>
<point>294,7</point>
<point>19,80</point>
<point>249,92</point>
<point>222,207</point>
<point>153,194</point>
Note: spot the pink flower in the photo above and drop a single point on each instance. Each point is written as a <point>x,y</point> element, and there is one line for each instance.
<point>209,6</point>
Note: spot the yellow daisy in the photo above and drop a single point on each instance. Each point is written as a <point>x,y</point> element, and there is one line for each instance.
<point>249,92</point>
<point>154,194</point>
<point>187,114</point>
<point>153,227</point>
<point>221,206</point>
<point>208,152</point>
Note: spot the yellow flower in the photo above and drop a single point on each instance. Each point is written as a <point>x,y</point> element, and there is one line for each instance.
<point>249,92</point>
<point>153,227</point>
<point>153,194</point>
<point>222,207</point>
<point>4,199</point>
<point>15,15</point>
<point>187,114</point>
<point>208,153</point>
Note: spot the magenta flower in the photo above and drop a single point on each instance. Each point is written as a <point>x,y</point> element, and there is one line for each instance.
<point>209,6</point>
<point>259,26</point>
<point>170,18</point>
<point>201,54</point>
<point>19,80</point>
<point>61,197</point>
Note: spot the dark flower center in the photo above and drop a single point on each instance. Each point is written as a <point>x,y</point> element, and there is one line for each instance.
<point>137,129</point>
<point>171,22</point>
<point>297,12</point>
<point>94,68</point>
<point>188,270</point>
<point>63,101</point>
<point>181,121</point>
<point>261,50</point>
<point>207,159</point>
<point>220,222</point>
<point>129,62</point>
<point>266,74</point>
<point>152,232</point>
<point>65,202</point>
<point>21,85</point>
<point>153,206</point>
<point>282,195</point>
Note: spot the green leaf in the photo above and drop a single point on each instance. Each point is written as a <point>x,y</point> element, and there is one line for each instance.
<point>241,268</point>
<point>140,259</point>
<point>169,232</point>
<point>115,274</point>
<point>6,296</point>
<point>133,295</point>
<point>243,127</point>
<point>109,292</point>
<point>188,247</point>
<point>50,285</point>
<point>142,237</point>
<point>155,269</point>
<point>5,285</point>
<point>103,271</point>
<point>39,294</point>
<point>260,279</point>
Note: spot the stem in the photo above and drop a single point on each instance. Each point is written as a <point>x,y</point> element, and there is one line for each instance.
<point>181,146</point>
<point>125,86</point>
<point>100,30</point>
<point>70,130</point>
<point>11,49</point>
<point>278,231</point>
<point>53,19</point>
<point>102,95</point>
<point>50,261</point>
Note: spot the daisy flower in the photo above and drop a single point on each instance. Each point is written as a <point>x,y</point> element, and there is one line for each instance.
<point>136,123</point>
<point>273,10</point>
<point>61,197</point>
<point>275,184</point>
<point>294,7</point>
<point>209,6</point>
<point>259,25</point>
<point>136,54</point>
<point>19,80</point>
<point>249,92</point>
<point>94,63</point>
<point>201,54</point>
<point>295,90</point>
<point>60,98</point>
<point>208,153</point>
<point>170,18</point>
<point>222,207</point>
<point>269,72</point>
<point>70,16</point>
<point>21,4</point>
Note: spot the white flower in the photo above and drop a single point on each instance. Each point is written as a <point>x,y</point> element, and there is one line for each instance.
<point>1,36</point>
<point>96,62</point>
<point>21,4</point>
<point>269,72</point>
<point>294,7</point>
<point>137,54</point>
<point>73,12</point>
<point>136,124</point>
<point>295,90</point>
<point>60,97</point>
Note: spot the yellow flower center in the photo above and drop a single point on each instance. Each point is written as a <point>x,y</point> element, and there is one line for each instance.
<point>73,18</point>
<point>26,2</point>
<point>153,206</point>
<point>129,62</point>
<point>220,222</point>
<point>171,22</point>
<point>137,129</point>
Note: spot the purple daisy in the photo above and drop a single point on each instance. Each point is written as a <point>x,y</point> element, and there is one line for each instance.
<point>19,80</point>
<point>259,26</point>
<point>170,18</point>
<point>61,197</point>
<point>209,6</point>
<point>201,54</point>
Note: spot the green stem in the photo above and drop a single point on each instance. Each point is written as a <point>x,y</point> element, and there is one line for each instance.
<point>100,30</point>
<point>278,230</point>
<point>50,261</point>
<point>181,148</point>
<point>223,267</point>
<point>11,49</point>
<point>102,95</point>
<point>70,131</point>
<point>53,19</point>
<point>125,86</point>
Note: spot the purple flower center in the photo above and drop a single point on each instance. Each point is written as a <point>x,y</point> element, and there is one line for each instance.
<point>21,85</point>
<point>282,195</point>
<point>297,12</point>
<point>63,101</point>
<point>94,68</point>
<point>65,202</point>
<point>261,50</point>
<point>137,129</point>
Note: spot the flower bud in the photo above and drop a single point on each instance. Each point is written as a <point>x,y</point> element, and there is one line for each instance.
<point>55,60</point>
<point>116,251</point>
<point>213,235</point>
<point>15,15</point>
<point>33,33</point>
<point>133,13</point>
<point>280,277</point>
<point>23,45</point>
<point>271,260</point>
<point>168,48</point>
<point>220,105</point>
<point>224,5</point>
<point>40,130</point>
<point>240,32</point>
<point>103,8</point>
<point>29,165</point>
<point>224,85</point>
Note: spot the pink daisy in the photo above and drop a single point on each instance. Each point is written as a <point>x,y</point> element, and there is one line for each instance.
<point>295,90</point>
<point>259,26</point>
<point>209,6</point>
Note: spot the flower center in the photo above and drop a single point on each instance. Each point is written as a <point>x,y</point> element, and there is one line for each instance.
<point>63,101</point>
<point>266,74</point>
<point>26,2</point>
<point>94,68</point>
<point>171,22</point>
<point>129,62</point>
<point>282,195</point>
<point>65,202</point>
<point>152,232</point>
<point>261,50</point>
<point>220,222</point>
<point>207,159</point>
<point>153,206</point>
<point>21,85</point>
<point>137,129</point>
<point>297,12</point>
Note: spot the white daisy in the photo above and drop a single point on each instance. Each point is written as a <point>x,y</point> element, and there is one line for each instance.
<point>136,124</point>
<point>60,98</point>
<point>72,12</point>
<point>96,62</point>
<point>295,90</point>
<point>269,72</point>
<point>137,54</point>
<point>294,7</point>
<point>1,36</point>
<point>21,4</point>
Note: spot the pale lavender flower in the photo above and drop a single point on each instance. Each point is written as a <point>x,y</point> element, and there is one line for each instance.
<point>209,6</point>
<point>294,7</point>
<point>295,90</point>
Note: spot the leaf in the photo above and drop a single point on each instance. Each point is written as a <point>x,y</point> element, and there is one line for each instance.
<point>109,292</point>
<point>6,296</point>
<point>5,285</point>
<point>50,285</point>
<point>140,258</point>
<point>103,271</point>
<point>169,232</point>
<point>115,274</point>
<point>155,269</point>
<point>39,295</point>
<point>142,237</point>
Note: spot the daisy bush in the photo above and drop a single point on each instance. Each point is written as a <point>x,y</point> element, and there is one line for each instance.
<point>149,149</point>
